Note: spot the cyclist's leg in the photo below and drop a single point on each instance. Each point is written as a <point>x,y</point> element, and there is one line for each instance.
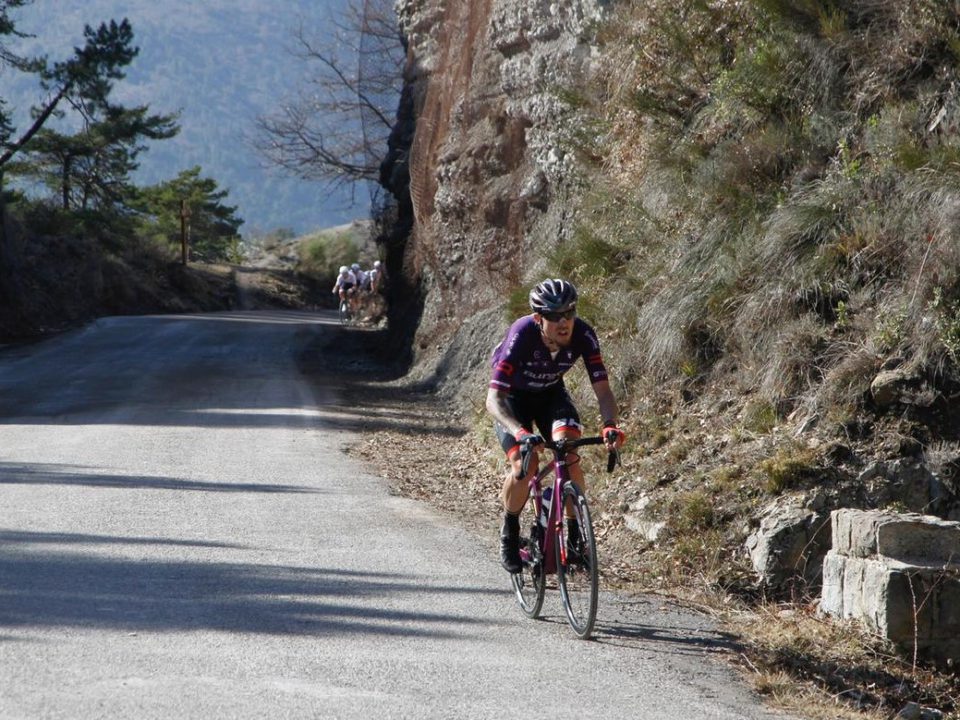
<point>514,491</point>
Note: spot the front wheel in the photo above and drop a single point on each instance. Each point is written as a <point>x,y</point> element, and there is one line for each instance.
<point>344,312</point>
<point>577,573</point>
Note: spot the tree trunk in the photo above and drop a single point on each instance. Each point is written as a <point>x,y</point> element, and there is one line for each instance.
<point>65,182</point>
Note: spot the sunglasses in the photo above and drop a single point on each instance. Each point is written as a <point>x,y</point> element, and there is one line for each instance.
<point>558,316</point>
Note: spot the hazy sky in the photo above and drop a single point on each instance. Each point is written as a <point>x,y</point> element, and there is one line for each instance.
<point>222,63</point>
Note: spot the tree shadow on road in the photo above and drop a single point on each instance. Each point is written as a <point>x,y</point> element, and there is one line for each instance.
<point>52,474</point>
<point>69,588</point>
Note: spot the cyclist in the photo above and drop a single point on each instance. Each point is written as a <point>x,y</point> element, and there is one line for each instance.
<point>365,281</point>
<point>360,275</point>
<point>345,284</point>
<point>376,276</point>
<point>526,389</point>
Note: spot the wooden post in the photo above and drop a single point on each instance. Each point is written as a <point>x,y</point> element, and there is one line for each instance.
<point>184,230</point>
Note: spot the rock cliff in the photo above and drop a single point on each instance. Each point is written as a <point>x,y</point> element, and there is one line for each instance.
<point>491,172</point>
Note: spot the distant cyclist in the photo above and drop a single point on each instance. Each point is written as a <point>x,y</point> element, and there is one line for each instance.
<point>360,275</point>
<point>526,395</point>
<point>376,276</point>
<point>345,286</point>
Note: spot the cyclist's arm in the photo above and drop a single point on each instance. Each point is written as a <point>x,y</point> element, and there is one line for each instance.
<point>497,407</point>
<point>606,402</point>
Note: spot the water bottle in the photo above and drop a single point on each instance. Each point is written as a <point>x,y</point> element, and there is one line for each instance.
<point>545,497</point>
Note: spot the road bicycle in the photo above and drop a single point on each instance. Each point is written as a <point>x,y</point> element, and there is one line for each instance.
<point>363,307</point>
<point>346,316</point>
<point>548,550</point>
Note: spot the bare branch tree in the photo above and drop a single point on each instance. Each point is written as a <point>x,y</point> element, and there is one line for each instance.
<point>335,129</point>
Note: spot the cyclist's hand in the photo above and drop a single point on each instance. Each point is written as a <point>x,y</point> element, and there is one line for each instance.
<point>528,440</point>
<point>613,437</point>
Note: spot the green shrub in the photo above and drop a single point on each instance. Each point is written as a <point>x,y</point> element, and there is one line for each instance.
<point>690,512</point>
<point>759,416</point>
<point>786,469</point>
<point>518,303</point>
<point>323,254</point>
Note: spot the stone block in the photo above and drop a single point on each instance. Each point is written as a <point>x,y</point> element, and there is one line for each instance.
<point>921,538</point>
<point>946,607</point>
<point>831,594</point>
<point>907,537</point>
<point>913,601</point>
<point>904,610</point>
<point>855,531</point>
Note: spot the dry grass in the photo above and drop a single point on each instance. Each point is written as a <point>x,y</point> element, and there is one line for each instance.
<point>748,188</point>
<point>832,669</point>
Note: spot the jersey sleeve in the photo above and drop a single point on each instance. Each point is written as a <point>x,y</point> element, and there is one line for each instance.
<point>592,358</point>
<point>505,360</point>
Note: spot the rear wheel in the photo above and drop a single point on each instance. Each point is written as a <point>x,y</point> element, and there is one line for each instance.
<point>530,583</point>
<point>577,573</point>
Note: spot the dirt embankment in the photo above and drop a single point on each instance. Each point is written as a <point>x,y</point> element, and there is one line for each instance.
<point>50,283</point>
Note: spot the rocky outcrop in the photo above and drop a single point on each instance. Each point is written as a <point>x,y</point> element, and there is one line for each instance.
<point>491,176</point>
<point>789,546</point>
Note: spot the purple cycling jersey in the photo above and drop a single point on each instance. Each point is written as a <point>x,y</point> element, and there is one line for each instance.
<point>523,362</point>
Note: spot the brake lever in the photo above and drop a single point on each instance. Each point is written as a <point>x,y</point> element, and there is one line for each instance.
<point>525,454</point>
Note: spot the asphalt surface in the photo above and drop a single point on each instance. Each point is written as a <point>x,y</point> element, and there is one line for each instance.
<point>182,536</point>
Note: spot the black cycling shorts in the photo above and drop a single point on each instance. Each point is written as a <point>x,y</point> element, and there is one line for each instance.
<point>544,411</point>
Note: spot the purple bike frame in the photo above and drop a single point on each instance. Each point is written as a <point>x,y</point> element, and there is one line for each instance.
<point>554,527</point>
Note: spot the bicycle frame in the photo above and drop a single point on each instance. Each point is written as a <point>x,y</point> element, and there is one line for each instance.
<point>555,529</point>
<point>545,551</point>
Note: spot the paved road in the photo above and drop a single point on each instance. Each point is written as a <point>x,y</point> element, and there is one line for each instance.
<point>182,537</point>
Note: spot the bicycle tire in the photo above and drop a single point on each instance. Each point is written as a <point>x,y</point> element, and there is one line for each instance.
<point>529,585</point>
<point>578,578</point>
<point>344,312</point>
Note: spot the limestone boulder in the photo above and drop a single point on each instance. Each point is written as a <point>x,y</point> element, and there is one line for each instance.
<point>789,545</point>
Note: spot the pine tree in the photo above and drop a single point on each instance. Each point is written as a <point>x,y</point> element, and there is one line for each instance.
<point>84,80</point>
<point>92,168</point>
<point>214,226</point>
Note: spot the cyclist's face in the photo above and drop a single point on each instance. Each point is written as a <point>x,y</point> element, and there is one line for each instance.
<point>558,331</point>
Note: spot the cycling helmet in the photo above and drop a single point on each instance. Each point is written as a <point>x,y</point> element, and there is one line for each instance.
<point>553,296</point>
<point>376,263</point>
<point>344,269</point>
<point>355,266</point>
